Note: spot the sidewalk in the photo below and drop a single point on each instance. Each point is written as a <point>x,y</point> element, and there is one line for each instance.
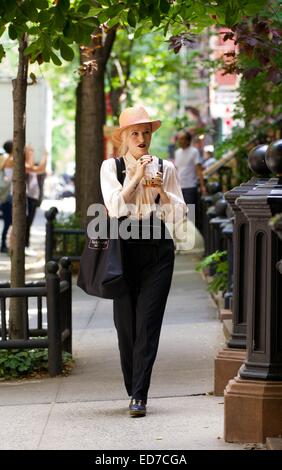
<point>89,409</point>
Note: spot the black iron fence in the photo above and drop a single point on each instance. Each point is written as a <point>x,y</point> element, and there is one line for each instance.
<point>62,241</point>
<point>56,293</point>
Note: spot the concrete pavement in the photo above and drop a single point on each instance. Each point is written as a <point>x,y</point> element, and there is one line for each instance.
<point>89,408</point>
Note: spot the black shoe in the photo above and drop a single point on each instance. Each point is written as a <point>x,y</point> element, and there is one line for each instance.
<point>4,249</point>
<point>137,408</point>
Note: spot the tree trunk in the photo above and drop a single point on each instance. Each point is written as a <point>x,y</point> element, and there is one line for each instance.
<point>121,70</point>
<point>115,95</point>
<point>78,163</point>
<point>89,141</point>
<point>90,119</point>
<point>19,192</point>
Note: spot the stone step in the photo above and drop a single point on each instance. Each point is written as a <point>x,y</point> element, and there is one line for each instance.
<point>274,443</point>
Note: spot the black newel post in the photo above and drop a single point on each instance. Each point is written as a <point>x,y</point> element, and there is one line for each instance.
<point>227,232</point>
<point>256,161</point>
<point>53,318</point>
<point>50,216</point>
<point>211,213</point>
<point>216,222</point>
<point>229,359</point>
<point>253,399</point>
<point>206,203</point>
<point>264,299</point>
<point>65,275</point>
<point>276,225</point>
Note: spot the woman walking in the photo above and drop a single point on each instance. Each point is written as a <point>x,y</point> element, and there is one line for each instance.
<point>6,206</point>
<point>148,263</point>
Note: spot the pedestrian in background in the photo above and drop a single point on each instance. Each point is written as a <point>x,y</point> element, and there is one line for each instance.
<point>6,165</point>
<point>32,191</point>
<point>189,168</point>
<point>209,158</point>
<point>188,163</point>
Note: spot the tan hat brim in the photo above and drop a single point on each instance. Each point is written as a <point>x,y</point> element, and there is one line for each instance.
<point>116,135</point>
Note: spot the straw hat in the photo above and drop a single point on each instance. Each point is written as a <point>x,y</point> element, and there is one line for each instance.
<point>130,117</point>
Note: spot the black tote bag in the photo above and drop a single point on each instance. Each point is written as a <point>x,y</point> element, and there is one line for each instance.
<point>101,264</point>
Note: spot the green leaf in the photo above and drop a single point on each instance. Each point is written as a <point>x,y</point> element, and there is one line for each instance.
<point>164,6</point>
<point>32,48</point>
<point>41,4</point>
<point>138,32</point>
<point>78,36</point>
<point>113,22</point>
<point>69,30</point>
<point>115,10</point>
<point>55,59</point>
<point>143,11</point>
<point>44,16</point>
<point>12,32</point>
<point>131,19</point>
<point>156,18</point>
<point>46,54</point>
<point>60,18</point>
<point>103,15</point>
<point>9,10</point>
<point>56,43</point>
<point>166,28</point>
<point>254,6</point>
<point>29,10</point>
<point>91,21</point>
<point>84,35</point>
<point>64,4</point>
<point>2,30</point>
<point>199,9</point>
<point>33,30</point>
<point>13,364</point>
<point>21,28</point>
<point>84,9</point>
<point>66,52</point>
<point>231,16</point>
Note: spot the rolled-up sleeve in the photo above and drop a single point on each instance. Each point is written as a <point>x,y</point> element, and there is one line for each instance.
<point>177,207</point>
<point>111,189</point>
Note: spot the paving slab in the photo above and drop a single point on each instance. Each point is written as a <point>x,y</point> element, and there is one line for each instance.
<point>169,424</point>
<point>89,408</point>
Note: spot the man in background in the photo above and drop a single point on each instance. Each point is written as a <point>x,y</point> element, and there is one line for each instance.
<point>189,168</point>
<point>188,163</point>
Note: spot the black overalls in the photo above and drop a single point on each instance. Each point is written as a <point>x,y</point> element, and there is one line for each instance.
<point>138,314</point>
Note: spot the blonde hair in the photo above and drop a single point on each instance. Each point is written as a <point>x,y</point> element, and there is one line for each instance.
<point>123,147</point>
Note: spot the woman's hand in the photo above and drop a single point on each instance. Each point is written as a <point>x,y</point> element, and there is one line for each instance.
<point>157,182</point>
<point>142,162</point>
<point>129,191</point>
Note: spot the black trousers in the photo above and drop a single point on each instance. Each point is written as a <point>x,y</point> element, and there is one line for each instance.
<point>138,314</point>
<point>7,218</point>
<point>32,205</point>
<point>190,195</point>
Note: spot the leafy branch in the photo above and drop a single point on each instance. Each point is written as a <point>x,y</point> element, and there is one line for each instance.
<point>217,260</point>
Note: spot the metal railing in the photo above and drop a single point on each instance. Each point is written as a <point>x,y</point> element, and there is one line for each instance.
<point>57,290</point>
<point>62,241</point>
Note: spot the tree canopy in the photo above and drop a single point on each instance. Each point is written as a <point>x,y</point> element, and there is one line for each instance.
<point>175,15</point>
<point>51,26</point>
<point>54,25</point>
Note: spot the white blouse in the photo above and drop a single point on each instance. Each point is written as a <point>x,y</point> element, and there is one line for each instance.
<point>143,200</point>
